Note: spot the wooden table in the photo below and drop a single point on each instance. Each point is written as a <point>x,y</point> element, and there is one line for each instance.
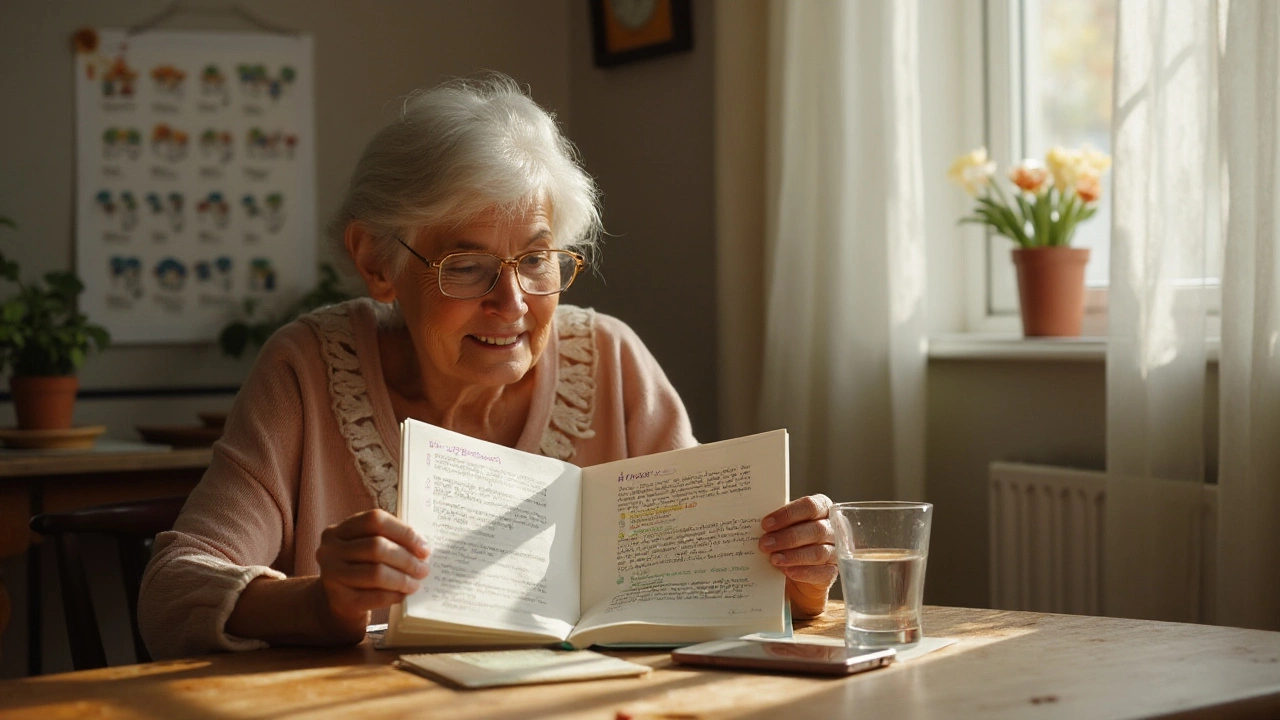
<point>32,484</point>
<point>1005,665</point>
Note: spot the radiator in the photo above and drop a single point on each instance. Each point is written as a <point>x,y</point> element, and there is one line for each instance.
<point>1047,540</point>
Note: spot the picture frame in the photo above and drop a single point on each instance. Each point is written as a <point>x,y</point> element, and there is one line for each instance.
<point>624,31</point>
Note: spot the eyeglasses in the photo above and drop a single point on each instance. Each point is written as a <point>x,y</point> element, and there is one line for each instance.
<point>469,275</point>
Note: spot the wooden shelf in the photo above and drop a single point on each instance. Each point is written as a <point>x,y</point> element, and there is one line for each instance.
<point>12,466</point>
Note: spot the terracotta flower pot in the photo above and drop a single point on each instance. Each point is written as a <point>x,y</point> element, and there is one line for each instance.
<point>1051,290</point>
<point>44,402</point>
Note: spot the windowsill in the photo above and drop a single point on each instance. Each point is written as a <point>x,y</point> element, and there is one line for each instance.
<point>1004,347</point>
<point>974,346</point>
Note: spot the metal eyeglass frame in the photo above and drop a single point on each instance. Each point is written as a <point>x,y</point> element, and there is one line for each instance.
<point>579,262</point>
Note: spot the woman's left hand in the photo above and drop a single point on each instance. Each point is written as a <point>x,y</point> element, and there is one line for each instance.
<point>800,543</point>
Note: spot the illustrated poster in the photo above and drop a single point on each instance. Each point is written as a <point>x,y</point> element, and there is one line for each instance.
<point>196,182</point>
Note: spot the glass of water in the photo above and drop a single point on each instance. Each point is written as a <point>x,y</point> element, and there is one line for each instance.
<point>882,548</point>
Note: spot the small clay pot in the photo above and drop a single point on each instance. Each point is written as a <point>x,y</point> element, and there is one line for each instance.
<point>1051,290</point>
<point>44,402</point>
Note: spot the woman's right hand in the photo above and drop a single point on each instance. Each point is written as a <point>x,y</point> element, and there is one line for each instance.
<point>370,560</point>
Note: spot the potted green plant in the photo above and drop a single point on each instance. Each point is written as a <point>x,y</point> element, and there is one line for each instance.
<point>248,331</point>
<point>1040,214</point>
<point>43,342</point>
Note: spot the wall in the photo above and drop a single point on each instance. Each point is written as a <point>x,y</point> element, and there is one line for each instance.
<point>980,411</point>
<point>741,156</point>
<point>645,133</point>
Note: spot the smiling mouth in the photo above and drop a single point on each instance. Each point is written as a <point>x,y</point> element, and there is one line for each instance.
<point>497,341</point>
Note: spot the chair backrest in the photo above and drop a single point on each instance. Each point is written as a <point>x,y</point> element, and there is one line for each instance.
<point>134,525</point>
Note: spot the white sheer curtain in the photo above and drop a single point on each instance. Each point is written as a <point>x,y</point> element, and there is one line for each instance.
<point>844,354</point>
<point>1171,92</point>
<point>1248,587</point>
<point>1156,349</point>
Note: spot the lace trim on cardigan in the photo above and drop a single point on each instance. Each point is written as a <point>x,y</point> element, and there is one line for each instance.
<point>349,395</point>
<point>574,405</point>
<point>572,410</point>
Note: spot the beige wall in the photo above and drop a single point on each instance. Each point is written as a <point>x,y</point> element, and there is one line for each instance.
<point>645,132</point>
<point>741,159</point>
<point>980,411</point>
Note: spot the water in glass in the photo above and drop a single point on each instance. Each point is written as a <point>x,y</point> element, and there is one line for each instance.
<point>883,591</point>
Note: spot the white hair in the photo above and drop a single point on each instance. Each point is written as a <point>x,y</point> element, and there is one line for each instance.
<point>461,150</point>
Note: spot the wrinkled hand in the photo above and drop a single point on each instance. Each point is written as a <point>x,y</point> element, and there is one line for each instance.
<point>800,543</point>
<point>368,561</point>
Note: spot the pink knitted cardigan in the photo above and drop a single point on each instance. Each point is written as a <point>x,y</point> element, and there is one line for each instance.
<point>312,439</point>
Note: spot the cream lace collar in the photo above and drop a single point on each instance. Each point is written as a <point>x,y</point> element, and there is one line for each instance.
<point>572,409</point>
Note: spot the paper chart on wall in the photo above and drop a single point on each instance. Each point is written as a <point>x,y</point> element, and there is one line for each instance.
<point>195,179</point>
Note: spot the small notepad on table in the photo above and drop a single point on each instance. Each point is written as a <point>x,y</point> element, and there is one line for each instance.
<point>493,668</point>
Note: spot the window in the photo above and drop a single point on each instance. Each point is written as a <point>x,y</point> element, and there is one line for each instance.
<point>1068,61</point>
<point>1047,69</point>
<point>1048,75</point>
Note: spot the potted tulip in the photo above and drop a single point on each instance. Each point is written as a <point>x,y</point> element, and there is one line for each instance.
<point>1040,213</point>
<point>43,342</point>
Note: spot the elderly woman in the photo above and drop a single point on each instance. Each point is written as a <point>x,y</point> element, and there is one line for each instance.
<point>463,218</point>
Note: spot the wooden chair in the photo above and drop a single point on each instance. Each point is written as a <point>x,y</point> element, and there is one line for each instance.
<point>133,525</point>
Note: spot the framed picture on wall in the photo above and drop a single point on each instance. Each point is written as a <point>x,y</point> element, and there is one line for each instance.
<point>626,30</point>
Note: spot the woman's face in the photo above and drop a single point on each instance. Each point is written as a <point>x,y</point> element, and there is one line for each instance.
<point>486,341</point>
